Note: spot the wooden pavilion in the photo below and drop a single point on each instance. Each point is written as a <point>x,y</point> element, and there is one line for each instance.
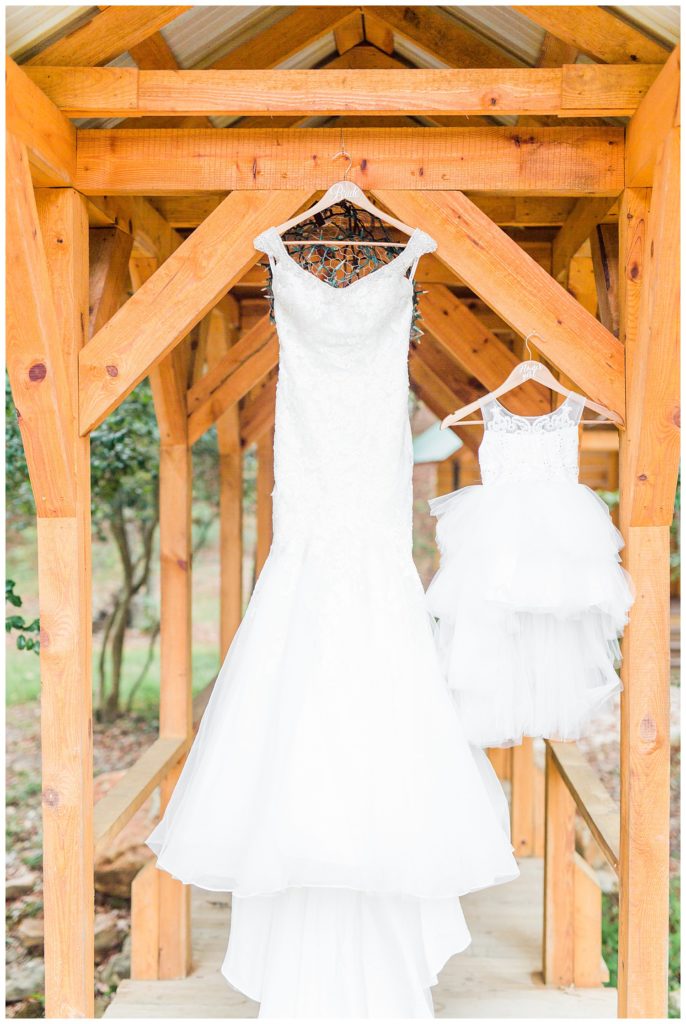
<point>540,147</point>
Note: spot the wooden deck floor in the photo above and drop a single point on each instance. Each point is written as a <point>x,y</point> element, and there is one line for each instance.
<point>498,976</point>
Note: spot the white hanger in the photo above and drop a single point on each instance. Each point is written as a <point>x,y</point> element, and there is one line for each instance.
<point>530,369</point>
<point>339,191</point>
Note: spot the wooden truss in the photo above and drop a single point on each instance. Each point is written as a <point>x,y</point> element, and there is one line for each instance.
<point>77,347</point>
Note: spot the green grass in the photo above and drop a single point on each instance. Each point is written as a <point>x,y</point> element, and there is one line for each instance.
<point>611,930</point>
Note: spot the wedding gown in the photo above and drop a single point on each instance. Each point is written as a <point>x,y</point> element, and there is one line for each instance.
<point>530,596</point>
<point>330,786</point>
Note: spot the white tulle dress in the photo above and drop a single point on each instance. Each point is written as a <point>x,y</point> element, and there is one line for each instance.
<point>530,596</point>
<point>330,786</point>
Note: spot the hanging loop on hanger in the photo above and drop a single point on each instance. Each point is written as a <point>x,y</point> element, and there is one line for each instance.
<point>344,152</point>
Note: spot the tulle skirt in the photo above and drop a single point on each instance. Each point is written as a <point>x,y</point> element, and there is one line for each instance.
<point>332,790</point>
<point>530,600</point>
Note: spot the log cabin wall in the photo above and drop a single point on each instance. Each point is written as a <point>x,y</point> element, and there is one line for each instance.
<point>542,154</point>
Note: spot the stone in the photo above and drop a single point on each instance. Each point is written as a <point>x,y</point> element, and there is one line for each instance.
<point>20,885</point>
<point>117,968</point>
<point>30,932</point>
<point>107,933</point>
<point>25,979</point>
<point>127,852</point>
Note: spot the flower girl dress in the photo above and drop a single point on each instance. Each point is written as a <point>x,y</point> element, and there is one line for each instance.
<point>530,597</point>
<point>330,786</point>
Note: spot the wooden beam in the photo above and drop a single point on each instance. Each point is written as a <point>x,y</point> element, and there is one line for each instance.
<point>35,362</point>
<point>520,291</point>
<point>568,161</point>
<point>65,607</point>
<point>605,255</point>
<point>110,250</point>
<point>598,33</point>
<point>439,35</point>
<point>176,715</point>
<point>645,718</point>
<point>109,34</point>
<point>152,235</point>
<point>154,54</point>
<point>652,440</point>
<point>558,882</point>
<point>349,33</point>
<point>265,486</point>
<point>507,211</point>
<point>477,349</point>
<point>657,114</point>
<point>574,232</point>
<point>566,91</point>
<point>36,122</point>
<point>437,396</point>
<point>151,324</point>
<point>301,27</point>
<point>444,363</point>
<point>592,800</point>
<point>121,802</point>
<point>246,363</point>
<point>257,413</point>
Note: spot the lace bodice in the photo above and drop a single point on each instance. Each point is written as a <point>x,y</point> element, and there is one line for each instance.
<point>531,448</point>
<point>342,446</point>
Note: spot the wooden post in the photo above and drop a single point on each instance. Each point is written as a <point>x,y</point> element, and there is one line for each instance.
<point>64,580</point>
<point>446,476</point>
<point>265,486</point>
<point>523,798</point>
<point>558,901</point>
<point>649,327</point>
<point>176,716</point>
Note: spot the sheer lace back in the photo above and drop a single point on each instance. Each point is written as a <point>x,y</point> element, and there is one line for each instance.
<point>531,447</point>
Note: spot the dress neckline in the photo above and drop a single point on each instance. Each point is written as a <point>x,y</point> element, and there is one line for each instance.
<point>374,273</point>
<point>531,419</point>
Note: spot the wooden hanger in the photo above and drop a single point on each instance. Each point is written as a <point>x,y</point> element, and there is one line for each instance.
<point>530,369</point>
<point>339,191</point>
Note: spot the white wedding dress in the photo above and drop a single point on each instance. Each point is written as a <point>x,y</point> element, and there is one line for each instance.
<point>530,596</point>
<point>330,786</point>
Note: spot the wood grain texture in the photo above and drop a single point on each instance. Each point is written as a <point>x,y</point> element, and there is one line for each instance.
<point>106,36</point>
<point>598,33</point>
<point>593,802</point>
<point>566,91</point>
<point>439,35</point>
<point>476,349</point>
<point>246,363</point>
<point>145,923</point>
<point>152,234</point>
<point>109,254</point>
<point>558,898</point>
<point>562,161</point>
<point>257,414</point>
<point>41,393</point>
<point>274,45</point>
<point>657,114</point>
<point>574,232</point>
<point>522,805</point>
<point>153,321</point>
<point>437,395</point>
<point>653,396</point>
<point>520,291</point>
<point>36,122</point>
<point>589,969</point>
<point>65,607</point>
<point>122,801</point>
<point>605,257</point>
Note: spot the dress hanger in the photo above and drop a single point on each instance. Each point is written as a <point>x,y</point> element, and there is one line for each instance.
<point>530,369</point>
<point>345,190</point>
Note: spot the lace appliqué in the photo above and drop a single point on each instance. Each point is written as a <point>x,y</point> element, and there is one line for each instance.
<point>531,448</point>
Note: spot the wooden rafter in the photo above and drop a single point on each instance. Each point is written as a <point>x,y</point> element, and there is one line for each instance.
<point>476,349</point>
<point>49,137</point>
<point>520,291</point>
<point>437,395</point>
<point>438,34</point>
<point>109,34</point>
<point>598,33</point>
<point>243,366</point>
<point>583,161</point>
<point>257,415</point>
<point>572,91</point>
<point>274,45</point>
<point>152,234</point>
<point>151,324</point>
<point>445,365</point>
<point>604,257</point>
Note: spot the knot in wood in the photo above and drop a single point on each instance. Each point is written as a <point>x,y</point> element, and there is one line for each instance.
<point>112,371</point>
<point>647,730</point>
<point>38,372</point>
<point>182,563</point>
<point>51,797</point>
